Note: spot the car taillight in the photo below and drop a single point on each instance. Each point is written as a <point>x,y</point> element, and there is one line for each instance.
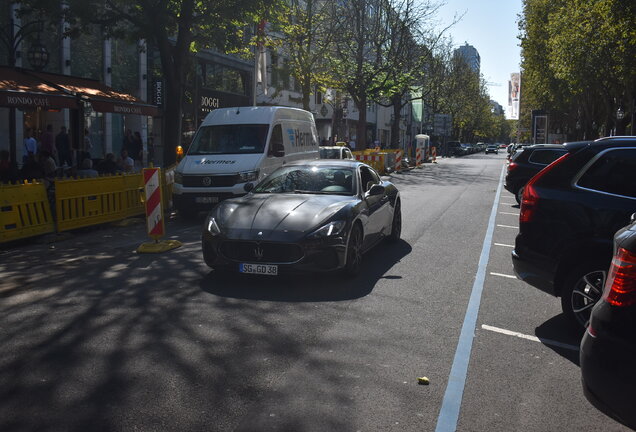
<point>530,197</point>
<point>620,287</point>
<point>512,166</point>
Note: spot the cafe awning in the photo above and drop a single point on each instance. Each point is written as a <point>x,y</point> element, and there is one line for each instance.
<point>21,88</point>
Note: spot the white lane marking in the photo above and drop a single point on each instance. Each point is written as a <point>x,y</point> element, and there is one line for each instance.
<point>504,245</point>
<point>503,275</point>
<point>531,338</point>
<point>507,226</point>
<point>509,213</point>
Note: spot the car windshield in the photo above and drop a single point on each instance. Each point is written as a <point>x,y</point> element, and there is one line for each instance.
<point>327,180</point>
<point>229,139</point>
<point>329,153</point>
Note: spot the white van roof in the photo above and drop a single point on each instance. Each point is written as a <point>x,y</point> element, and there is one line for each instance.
<point>255,115</point>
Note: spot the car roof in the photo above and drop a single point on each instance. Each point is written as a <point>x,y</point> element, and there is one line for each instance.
<point>544,146</point>
<point>332,147</point>
<point>326,162</point>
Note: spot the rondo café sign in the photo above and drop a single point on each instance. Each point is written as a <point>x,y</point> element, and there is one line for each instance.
<point>31,100</point>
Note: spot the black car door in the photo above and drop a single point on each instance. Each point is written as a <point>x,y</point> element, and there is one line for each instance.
<point>378,206</point>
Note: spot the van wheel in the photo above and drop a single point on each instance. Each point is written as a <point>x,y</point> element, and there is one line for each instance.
<point>582,289</point>
<point>353,264</point>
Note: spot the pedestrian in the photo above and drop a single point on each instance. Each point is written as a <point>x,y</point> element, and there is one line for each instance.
<point>126,163</point>
<point>63,146</point>
<point>128,142</point>
<point>86,169</point>
<point>108,165</point>
<point>47,140</point>
<point>138,148</point>
<point>32,169</point>
<point>30,145</point>
<point>8,170</point>
<point>88,145</point>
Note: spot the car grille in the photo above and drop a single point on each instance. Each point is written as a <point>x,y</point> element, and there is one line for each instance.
<point>249,251</point>
<point>214,181</point>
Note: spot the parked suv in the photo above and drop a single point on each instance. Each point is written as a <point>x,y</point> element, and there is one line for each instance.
<point>569,213</point>
<point>526,163</point>
<point>608,349</point>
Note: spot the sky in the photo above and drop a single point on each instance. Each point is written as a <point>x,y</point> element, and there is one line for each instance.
<point>491,27</point>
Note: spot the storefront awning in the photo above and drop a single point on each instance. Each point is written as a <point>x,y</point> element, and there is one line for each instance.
<point>22,88</point>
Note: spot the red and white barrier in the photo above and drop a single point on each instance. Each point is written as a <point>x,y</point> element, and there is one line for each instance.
<point>398,160</point>
<point>418,156</point>
<point>154,213</point>
<point>368,158</point>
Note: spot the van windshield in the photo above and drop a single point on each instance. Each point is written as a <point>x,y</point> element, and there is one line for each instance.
<point>229,139</point>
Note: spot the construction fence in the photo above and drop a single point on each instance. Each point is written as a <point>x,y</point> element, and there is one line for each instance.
<point>30,209</point>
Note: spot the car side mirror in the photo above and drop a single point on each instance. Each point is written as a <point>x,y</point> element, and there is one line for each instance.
<point>633,218</point>
<point>376,190</point>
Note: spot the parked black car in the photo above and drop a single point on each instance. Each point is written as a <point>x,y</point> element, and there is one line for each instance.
<point>569,213</point>
<point>492,148</point>
<point>608,349</point>
<point>527,162</point>
<point>308,216</point>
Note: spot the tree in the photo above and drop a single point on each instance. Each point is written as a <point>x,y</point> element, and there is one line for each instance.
<point>176,28</point>
<point>579,62</point>
<point>305,43</point>
<point>360,29</point>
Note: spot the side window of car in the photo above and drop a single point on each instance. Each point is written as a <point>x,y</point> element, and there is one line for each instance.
<point>347,154</point>
<point>613,172</point>
<point>276,145</point>
<point>545,157</point>
<point>366,178</point>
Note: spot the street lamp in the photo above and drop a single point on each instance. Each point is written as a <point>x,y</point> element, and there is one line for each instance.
<point>38,55</point>
<point>620,114</point>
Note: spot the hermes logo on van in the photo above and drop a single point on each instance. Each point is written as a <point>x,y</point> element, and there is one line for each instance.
<point>214,162</point>
<point>299,139</point>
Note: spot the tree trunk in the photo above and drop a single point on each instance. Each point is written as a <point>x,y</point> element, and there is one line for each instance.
<point>361,129</point>
<point>172,122</point>
<point>396,103</point>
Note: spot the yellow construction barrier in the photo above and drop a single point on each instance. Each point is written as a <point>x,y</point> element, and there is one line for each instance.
<point>371,158</point>
<point>84,202</point>
<point>24,211</point>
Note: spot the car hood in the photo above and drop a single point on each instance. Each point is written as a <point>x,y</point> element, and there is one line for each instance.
<point>277,217</point>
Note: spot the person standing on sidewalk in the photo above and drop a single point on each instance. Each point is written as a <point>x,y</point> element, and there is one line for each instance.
<point>63,146</point>
<point>47,140</point>
<point>30,145</point>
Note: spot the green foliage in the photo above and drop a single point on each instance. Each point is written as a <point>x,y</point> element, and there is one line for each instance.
<point>579,62</point>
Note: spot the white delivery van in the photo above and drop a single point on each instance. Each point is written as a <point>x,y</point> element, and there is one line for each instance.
<point>237,146</point>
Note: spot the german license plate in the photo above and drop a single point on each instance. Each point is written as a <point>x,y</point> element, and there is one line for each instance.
<point>206,200</point>
<point>262,269</point>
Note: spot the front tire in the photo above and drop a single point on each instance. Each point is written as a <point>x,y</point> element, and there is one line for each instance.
<point>396,224</point>
<point>353,264</point>
<point>583,288</point>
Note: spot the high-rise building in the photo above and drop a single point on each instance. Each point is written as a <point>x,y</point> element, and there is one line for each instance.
<point>470,55</point>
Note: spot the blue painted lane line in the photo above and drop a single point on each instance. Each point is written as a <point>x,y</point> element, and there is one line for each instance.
<point>449,412</point>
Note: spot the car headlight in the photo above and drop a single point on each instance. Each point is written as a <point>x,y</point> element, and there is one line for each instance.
<point>178,177</point>
<point>248,176</point>
<point>213,228</point>
<point>331,229</point>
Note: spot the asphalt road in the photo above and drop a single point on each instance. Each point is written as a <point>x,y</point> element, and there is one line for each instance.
<point>94,336</point>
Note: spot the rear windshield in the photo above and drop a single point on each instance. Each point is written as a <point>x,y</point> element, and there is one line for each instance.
<point>328,153</point>
<point>230,139</point>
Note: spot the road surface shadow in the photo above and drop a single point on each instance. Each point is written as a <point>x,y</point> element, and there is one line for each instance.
<point>377,264</point>
<point>560,329</point>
